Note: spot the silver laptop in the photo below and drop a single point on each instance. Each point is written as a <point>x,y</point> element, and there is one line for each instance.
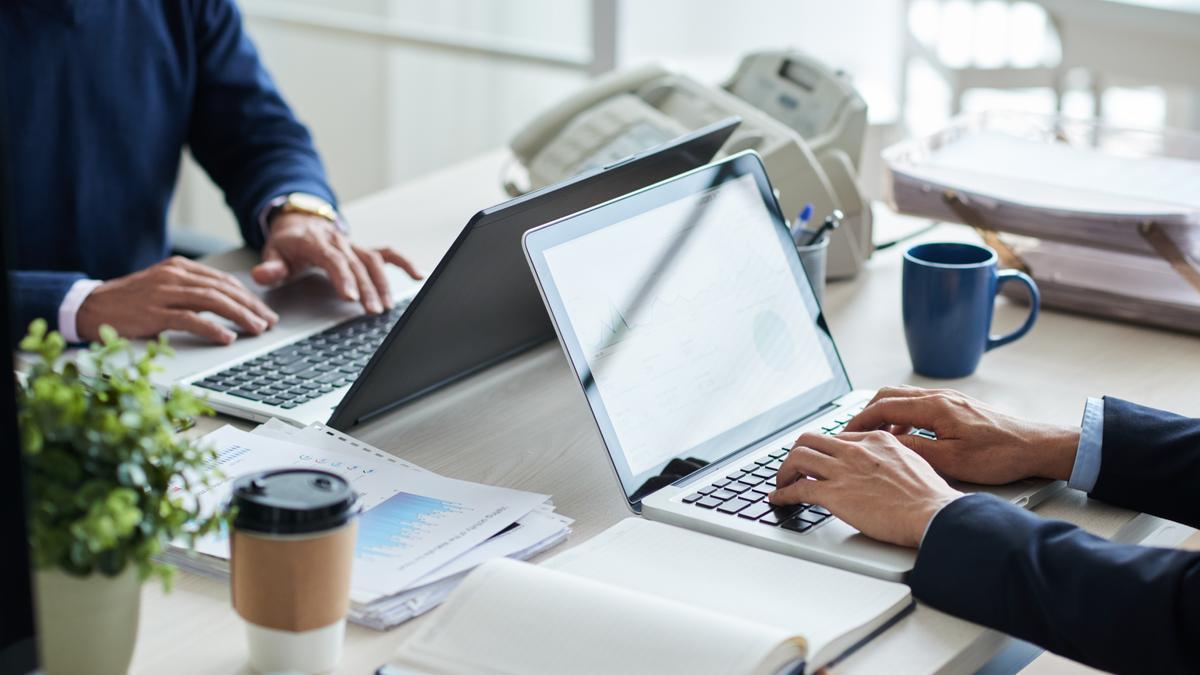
<point>684,311</point>
<point>324,362</point>
<point>298,371</point>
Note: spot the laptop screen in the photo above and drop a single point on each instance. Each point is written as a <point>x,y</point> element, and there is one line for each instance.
<point>688,319</point>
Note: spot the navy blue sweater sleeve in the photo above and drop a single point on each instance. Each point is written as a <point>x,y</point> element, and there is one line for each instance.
<point>37,294</point>
<point>1114,607</point>
<point>242,132</point>
<point>1150,461</point>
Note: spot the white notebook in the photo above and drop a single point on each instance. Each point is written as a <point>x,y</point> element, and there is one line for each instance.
<point>650,597</point>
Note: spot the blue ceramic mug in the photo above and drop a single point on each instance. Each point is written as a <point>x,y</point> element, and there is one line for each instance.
<point>949,293</point>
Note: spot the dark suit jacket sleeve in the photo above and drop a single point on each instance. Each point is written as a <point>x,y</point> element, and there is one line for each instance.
<point>1150,461</point>
<point>36,295</point>
<point>242,132</point>
<point>1115,607</point>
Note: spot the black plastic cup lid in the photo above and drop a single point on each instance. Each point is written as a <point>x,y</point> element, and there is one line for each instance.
<point>292,501</point>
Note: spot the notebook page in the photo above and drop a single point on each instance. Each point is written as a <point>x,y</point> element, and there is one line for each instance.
<point>511,617</point>
<point>821,603</point>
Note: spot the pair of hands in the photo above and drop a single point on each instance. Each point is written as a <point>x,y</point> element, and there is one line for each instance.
<point>888,483</point>
<point>172,294</point>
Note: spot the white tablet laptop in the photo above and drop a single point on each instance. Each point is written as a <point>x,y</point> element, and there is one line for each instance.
<point>685,313</point>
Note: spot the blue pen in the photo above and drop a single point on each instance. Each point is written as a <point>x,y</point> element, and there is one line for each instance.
<point>802,219</point>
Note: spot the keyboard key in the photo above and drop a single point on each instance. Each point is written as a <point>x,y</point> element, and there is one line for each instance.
<point>294,368</point>
<point>755,511</point>
<point>289,405</point>
<point>333,378</point>
<point>774,466</point>
<point>722,495</point>
<point>285,359</point>
<point>693,498</point>
<point>797,525</point>
<point>733,506</point>
<point>763,490</point>
<point>810,517</point>
<point>721,483</point>
<point>735,475</point>
<point>820,511</point>
<point>273,401</point>
<point>765,473</point>
<point>780,454</point>
<point>738,487</point>
<point>707,490</point>
<point>778,514</point>
<point>749,468</point>
<point>752,480</point>
<point>708,503</point>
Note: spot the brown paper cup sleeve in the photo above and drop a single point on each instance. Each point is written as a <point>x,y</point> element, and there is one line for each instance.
<point>292,584</point>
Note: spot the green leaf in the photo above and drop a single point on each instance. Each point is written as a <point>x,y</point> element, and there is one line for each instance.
<point>130,474</point>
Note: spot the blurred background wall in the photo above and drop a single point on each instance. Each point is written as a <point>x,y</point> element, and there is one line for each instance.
<point>393,89</point>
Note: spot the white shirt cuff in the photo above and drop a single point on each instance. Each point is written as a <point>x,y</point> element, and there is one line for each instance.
<point>1086,470</point>
<point>71,303</point>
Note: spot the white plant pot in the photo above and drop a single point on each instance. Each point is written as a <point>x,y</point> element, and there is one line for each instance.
<point>87,624</point>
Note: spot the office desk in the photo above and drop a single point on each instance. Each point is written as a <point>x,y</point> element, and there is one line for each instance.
<point>525,424</point>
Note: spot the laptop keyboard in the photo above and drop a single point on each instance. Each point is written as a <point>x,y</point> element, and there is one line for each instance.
<point>301,371</point>
<point>743,493</point>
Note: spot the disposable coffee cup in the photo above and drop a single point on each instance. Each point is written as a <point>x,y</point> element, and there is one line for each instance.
<point>291,551</point>
<point>813,258</point>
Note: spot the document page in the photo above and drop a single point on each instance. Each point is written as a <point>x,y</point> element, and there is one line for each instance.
<point>413,523</point>
<point>1063,177</point>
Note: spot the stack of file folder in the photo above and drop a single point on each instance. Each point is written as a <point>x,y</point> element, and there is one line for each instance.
<point>419,533</point>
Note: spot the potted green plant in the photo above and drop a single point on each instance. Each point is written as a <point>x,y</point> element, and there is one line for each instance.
<point>111,486</point>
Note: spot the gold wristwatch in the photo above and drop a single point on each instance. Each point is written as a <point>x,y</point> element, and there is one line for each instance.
<point>300,202</point>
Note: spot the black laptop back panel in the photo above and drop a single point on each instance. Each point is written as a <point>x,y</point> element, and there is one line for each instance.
<point>480,305</point>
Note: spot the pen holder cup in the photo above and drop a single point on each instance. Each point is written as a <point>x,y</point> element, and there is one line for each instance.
<point>813,258</point>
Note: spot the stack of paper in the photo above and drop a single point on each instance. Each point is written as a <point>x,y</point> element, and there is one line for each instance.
<point>1096,282</point>
<point>419,533</point>
<point>1038,187</point>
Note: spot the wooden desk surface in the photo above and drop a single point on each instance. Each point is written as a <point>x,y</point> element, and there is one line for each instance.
<point>525,424</point>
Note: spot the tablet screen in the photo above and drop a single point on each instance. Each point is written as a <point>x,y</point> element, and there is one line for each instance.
<point>692,327</point>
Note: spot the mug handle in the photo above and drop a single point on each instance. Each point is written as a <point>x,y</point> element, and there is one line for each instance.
<point>1035,301</point>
